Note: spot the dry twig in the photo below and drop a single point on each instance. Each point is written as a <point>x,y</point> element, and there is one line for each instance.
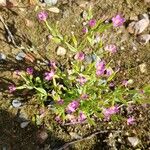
<point>8,31</point>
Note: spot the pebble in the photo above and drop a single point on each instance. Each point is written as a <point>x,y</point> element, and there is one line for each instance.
<point>51,2</point>
<point>24,124</point>
<point>143,68</point>
<point>138,27</point>
<point>16,103</point>
<point>42,135</point>
<point>20,56</point>
<point>144,39</point>
<point>134,141</point>
<point>61,51</point>
<point>2,2</point>
<point>54,10</point>
<point>2,56</point>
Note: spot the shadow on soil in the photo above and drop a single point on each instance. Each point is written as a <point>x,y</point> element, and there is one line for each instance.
<point>13,137</point>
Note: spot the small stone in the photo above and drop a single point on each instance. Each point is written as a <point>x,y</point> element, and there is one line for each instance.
<point>24,124</point>
<point>143,68</point>
<point>2,2</point>
<point>16,103</point>
<point>50,2</point>
<point>144,39</point>
<point>61,51</point>
<point>20,56</point>
<point>54,10</point>
<point>42,135</point>
<point>147,1</point>
<point>138,27</point>
<point>75,135</point>
<point>134,141</point>
<point>2,56</point>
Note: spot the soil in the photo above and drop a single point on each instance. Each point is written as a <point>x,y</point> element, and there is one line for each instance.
<point>29,33</point>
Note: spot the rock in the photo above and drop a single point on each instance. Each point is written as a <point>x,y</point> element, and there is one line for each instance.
<point>144,39</point>
<point>50,2</point>
<point>143,68</point>
<point>61,51</point>
<point>20,56</point>
<point>147,1</point>
<point>16,103</point>
<point>54,10</point>
<point>2,56</point>
<point>29,23</point>
<point>134,141</point>
<point>2,2</point>
<point>42,135</point>
<point>75,135</point>
<point>24,124</point>
<point>138,27</point>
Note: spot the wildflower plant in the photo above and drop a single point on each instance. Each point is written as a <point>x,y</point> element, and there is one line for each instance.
<point>85,91</point>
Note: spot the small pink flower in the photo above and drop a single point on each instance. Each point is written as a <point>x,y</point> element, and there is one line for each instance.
<point>111,48</point>
<point>84,96</point>
<point>100,68</point>
<point>110,111</point>
<point>29,70</point>
<point>130,121</point>
<point>79,56</point>
<point>85,30</point>
<point>92,23</point>
<point>82,117</point>
<point>109,72</point>
<point>118,21</point>
<point>49,75</point>
<point>82,80</point>
<point>125,83</point>
<point>12,88</point>
<point>52,64</point>
<point>42,16</point>
<point>58,119</point>
<point>60,101</point>
<point>72,106</point>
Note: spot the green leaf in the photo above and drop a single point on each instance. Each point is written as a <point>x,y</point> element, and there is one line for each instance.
<point>91,121</point>
<point>74,40</point>
<point>42,91</point>
<point>71,48</point>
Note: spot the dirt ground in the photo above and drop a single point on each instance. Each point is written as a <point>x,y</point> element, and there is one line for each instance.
<point>32,35</point>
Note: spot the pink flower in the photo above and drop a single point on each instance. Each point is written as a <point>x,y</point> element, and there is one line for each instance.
<point>85,30</point>
<point>42,16</point>
<point>109,72</point>
<point>79,56</point>
<point>84,96</point>
<point>29,70</point>
<point>100,68</point>
<point>49,75</point>
<point>58,119</point>
<point>130,121</point>
<point>110,111</point>
<point>82,80</point>
<point>72,106</point>
<point>60,101</point>
<point>118,21</point>
<point>92,23</point>
<point>82,117</point>
<point>52,64</point>
<point>12,88</point>
<point>111,48</point>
